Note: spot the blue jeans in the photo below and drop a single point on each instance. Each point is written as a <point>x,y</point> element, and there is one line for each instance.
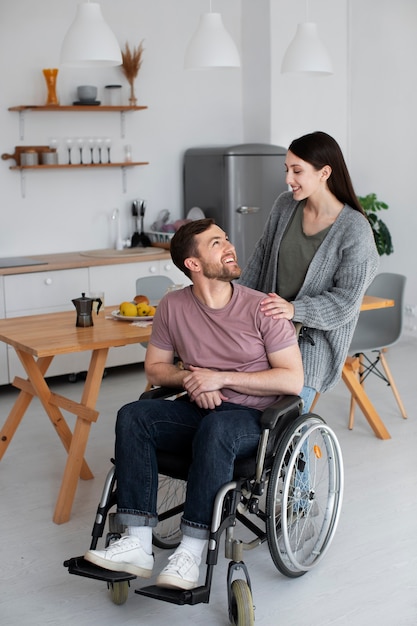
<point>307,394</point>
<point>213,438</point>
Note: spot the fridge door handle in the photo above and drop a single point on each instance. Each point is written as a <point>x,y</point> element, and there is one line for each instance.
<point>245,210</point>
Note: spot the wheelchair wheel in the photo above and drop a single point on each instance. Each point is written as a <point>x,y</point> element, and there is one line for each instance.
<point>170,504</point>
<point>241,610</point>
<point>304,495</point>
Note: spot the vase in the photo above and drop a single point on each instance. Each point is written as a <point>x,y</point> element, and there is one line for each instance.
<point>51,78</point>
<point>132,100</point>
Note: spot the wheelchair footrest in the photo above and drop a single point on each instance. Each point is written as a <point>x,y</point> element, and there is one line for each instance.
<point>176,596</point>
<point>79,566</point>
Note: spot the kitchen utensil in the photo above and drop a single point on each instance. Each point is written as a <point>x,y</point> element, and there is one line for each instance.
<point>135,213</point>
<point>144,241</point>
<point>84,306</point>
<point>19,149</point>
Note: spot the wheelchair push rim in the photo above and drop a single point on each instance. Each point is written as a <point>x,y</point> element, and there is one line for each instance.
<point>304,496</point>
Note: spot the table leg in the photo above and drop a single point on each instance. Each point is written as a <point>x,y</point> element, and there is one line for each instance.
<point>80,437</point>
<point>364,403</point>
<point>19,409</point>
<point>42,391</point>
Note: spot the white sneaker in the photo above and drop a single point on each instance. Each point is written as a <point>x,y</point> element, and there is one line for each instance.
<point>124,555</point>
<point>180,573</point>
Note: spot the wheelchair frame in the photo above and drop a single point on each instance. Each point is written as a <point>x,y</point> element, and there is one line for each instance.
<point>298,467</point>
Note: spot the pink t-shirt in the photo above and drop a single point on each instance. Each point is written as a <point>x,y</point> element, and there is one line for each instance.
<point>236,338</point>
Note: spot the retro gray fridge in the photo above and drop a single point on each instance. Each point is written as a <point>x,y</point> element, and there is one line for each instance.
<point>237,186</point>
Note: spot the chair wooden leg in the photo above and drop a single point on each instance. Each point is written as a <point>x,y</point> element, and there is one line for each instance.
<point>392,383</point>
<point>357,367</point>
<point>316,399</point>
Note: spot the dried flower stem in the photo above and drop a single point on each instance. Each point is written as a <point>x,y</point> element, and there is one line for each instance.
<point>132,61</point>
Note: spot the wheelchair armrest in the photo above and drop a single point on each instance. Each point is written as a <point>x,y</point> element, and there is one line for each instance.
<point>161,392</point>
<point>281,407</point>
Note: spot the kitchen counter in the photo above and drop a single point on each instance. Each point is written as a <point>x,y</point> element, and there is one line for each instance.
<point>87,258</point>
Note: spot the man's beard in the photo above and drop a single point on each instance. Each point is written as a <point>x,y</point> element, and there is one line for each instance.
<point>222,272</point>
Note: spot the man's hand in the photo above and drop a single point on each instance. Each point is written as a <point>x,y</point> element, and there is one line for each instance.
<point>203,387</point>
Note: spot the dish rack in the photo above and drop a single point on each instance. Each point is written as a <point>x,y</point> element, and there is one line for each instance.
<point>160,239</point>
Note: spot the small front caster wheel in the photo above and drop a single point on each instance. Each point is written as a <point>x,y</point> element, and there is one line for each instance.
<point>241,610</point>
<point>119,591</point>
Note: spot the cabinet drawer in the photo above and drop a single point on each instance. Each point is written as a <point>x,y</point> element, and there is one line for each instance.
<point>43,292</point>
<point>118,282</point>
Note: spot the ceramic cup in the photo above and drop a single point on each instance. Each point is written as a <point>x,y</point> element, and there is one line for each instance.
<point>86,93</point>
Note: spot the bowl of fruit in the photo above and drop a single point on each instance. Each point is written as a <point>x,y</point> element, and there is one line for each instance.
<point>137,310</point>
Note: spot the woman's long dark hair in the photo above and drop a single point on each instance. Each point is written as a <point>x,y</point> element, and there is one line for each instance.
<point>320,149</point>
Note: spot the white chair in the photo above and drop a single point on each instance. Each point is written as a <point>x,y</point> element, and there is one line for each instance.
<point>376,330</point>
<point>154,287</point>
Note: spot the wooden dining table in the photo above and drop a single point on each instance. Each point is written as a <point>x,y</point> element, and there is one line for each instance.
<point>38,339</point>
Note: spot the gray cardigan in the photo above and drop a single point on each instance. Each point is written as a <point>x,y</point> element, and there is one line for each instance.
<point>329,300</point>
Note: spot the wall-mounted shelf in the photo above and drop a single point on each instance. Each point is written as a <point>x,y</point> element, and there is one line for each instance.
<point>77,165</point>
<point>22,109</point>
<point>123,165</point>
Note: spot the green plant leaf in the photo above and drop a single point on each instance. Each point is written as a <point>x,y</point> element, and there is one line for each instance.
<point>382,236</point>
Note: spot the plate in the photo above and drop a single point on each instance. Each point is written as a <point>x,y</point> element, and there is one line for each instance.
<point>126,318</point>
<point>87,103</point>
<point>195,214</point>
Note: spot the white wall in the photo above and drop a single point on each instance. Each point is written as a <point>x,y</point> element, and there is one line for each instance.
<point>384,128</point>
<point>368,105</point>
<point>70,209</point>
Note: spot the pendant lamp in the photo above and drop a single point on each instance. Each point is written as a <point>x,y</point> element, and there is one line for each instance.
<point>211,45</point>
<point>306,53</point>
<point>89,40</point>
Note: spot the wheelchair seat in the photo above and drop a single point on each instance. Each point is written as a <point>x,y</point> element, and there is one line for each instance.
<point>293,488</point>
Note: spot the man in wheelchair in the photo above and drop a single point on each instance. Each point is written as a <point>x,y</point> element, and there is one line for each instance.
<point>236,362</point>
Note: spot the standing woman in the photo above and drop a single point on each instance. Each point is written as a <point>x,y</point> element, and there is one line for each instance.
<point>316,258</point>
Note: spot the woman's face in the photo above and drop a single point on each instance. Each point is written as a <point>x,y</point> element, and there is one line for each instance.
<point>302,177</point>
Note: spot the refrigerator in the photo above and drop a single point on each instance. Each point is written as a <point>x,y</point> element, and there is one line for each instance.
<point>237,186</point>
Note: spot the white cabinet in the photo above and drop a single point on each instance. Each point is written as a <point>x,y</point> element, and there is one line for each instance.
<point>4,367</point>
<point>45,292</point>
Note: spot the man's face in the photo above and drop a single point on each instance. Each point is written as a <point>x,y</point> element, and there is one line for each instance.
<point>217,255</point>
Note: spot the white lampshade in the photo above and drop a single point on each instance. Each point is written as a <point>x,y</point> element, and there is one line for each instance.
<point>89,40</point>
<point>211,45</point>
<point>306,53</point>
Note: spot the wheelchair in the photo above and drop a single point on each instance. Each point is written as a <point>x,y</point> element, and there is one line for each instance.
<point>289,496</point>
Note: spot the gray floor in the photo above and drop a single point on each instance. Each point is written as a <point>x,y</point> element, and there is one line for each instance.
<point>369,575</point>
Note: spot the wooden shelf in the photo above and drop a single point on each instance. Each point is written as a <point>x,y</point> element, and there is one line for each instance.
<point>77,165</point>
<point>59,108</point>
<point>23,108</point>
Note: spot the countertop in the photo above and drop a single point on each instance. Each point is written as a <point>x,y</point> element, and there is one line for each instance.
<point>86,258</point>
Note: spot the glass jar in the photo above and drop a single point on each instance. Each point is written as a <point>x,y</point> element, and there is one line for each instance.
<point>114,95</point>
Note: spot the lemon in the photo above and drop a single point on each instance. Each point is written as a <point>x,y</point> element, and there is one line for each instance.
<point>151,310</point>
<point>128,309</point>
<point>142,309</point>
